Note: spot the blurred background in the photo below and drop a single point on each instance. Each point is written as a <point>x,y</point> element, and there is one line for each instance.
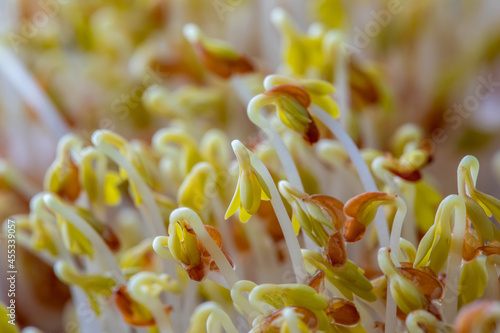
<point>77,66</point>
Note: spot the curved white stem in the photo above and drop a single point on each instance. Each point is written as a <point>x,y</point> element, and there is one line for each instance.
<point>360,165</point>
<point>100,247</point>
<point>242,302</point>
<point>397,226</point>
<point>199,228</point>
<point>214,318</point>
<point>492,290</point>
<point>284,221</point>
<point>253,111</point>
<point>142,287</point>
<point>291,320</point>
<point>155,220</point>
<point>391,320</point>
<point>450,296</point>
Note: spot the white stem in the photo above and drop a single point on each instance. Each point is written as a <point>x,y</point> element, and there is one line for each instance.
<point>253,112</point>
<point>79,299</point>
<point>101,249</point>
<point>391,319</point>
<point>410,232</point>
<point>291,320</point>
<point>242,302</point>
<point>189,302</point>
<point>146,288</point>
<point>162,320</point>
<point>286,225</point>
<point>25,84</point>
<point>226,233</point>
<point>243,93</point>
<point>367,321</point>
<point>397,226</point>
<point>37,206</point>
<point>380,171</point>
<point>342,84</point>
<point>87,156</point>
<point>214,317</point>
<point>199,228</point>
<point>155,220</point>
<point>450,296</point>
<point>360,165</point>
<point>492,290</point>
<point>461,182</point>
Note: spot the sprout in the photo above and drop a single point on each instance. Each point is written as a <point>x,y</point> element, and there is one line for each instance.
<point>313,213</point>
<point>139,218</point>
<point>115,147</point>
<point>217,55</point>
<point>196,246</point>
<point>210,318</point>
<point>145,288</point>
<point>62,176</point>
<point>93,285</point>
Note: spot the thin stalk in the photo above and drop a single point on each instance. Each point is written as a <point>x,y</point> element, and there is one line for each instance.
<point>37,206</point>
<point>450,296</point>
<point>341,82</point>
<point>397,226</point>
<point>102,251</point>
<point>360,165</point>
<point>410,231</point>
<point>154,217</point>
<point>238,85</point>
<point>214,318</point>
<point>225,230</point>
<point>27,87</point>
<point>88,155</point>
<point>242,302</point>
<point>253,112</point>
<point>147,295</point>
<point>291,320</point>
<point>189,302</point>
<point>162,321</point>
<point>199,228</point>
<point>286,226</point>
<point>379,169</point>
<point>367,320</point>
<point>391,320</point>
<point>492,290</point>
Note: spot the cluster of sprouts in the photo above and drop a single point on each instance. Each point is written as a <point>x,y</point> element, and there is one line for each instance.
<point>206,226</point>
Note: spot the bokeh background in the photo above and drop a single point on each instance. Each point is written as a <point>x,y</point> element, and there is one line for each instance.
<point>77,66</point>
